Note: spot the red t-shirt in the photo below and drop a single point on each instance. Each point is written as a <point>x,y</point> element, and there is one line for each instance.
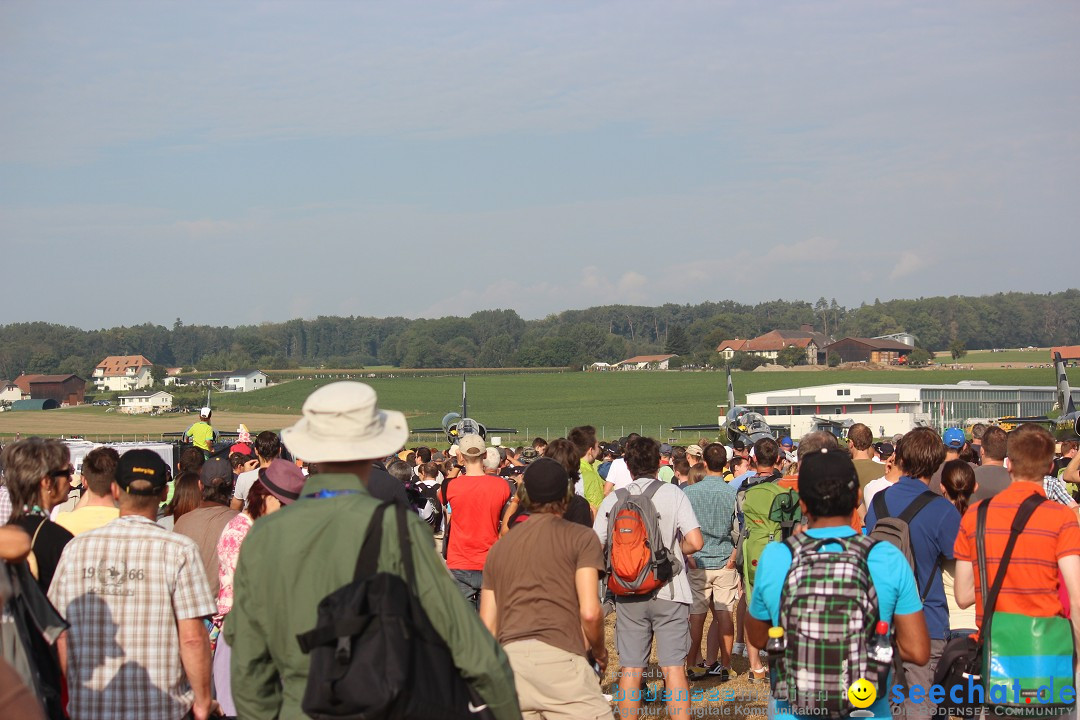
<point>1031,582</point>
<point>475,504</point>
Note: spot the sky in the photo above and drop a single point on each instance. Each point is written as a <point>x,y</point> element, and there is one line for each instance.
<point>238,163</point>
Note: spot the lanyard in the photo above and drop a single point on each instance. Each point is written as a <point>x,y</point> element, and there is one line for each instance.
<point>332,493</point>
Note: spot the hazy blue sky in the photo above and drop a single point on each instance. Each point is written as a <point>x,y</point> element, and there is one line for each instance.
<point>246,162</point>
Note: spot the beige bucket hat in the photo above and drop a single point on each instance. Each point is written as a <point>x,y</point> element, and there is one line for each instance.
<point>341,422</point>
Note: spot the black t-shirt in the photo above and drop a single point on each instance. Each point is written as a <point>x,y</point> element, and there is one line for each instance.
<point>578,511</point>
<point>47,547</point>
<point>384,486</point>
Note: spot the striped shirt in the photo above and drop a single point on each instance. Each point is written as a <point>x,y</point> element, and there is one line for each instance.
<point>123,587</point>
<point>713,501</point>
<point>1031,581</point>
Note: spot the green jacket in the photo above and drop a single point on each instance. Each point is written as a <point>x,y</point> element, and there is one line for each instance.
<point>594,484</point>
<point>293,558</point>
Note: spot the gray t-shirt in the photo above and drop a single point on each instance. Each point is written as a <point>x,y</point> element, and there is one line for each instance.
<point>991,479</point>
<point>677,518</point>
<point>244,481</point>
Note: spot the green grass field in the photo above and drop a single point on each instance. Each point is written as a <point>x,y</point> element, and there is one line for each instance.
<point>1039,356</point>
<point>616,403</point>
<point>544,404</point>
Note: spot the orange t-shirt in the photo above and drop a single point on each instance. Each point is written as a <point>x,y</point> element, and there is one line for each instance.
<point>1031,581</point>
<point>791,482</point>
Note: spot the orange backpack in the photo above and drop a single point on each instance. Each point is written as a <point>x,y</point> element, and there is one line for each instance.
<point>638,562</point>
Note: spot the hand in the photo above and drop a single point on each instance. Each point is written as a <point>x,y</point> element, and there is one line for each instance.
<point>203,711</point>
<point>730,563</point>
<point>599,657</point>
<point>691,563</point>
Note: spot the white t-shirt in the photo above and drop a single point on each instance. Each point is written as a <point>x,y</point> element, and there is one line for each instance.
<point>244,481</point>
<point>677,518</point>
<point>873,488</point>
<point>618,474</point>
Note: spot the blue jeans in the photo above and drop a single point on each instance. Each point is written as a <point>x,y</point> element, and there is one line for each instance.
<point>469,582</point>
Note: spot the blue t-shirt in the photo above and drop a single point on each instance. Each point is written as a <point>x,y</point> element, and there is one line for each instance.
<point>738,482</point>
<point>889,572</point>
<point>933,534</point>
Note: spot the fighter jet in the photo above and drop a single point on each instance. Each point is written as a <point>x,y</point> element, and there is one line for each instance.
<point>1065,426</point>
<point>457,425</point>
<point>738,423</point>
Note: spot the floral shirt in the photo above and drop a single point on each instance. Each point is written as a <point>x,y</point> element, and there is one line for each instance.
<point>228,551</point>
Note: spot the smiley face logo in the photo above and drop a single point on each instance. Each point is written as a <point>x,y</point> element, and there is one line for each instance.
<point>862,693</point>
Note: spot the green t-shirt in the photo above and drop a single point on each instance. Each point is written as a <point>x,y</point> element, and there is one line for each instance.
<point>201,434</point>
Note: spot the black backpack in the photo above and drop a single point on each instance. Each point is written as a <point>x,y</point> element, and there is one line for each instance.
<point>374,653</point>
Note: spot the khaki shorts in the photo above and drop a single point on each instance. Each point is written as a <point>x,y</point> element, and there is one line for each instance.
<point>719,589</point>
<point>555,684</point>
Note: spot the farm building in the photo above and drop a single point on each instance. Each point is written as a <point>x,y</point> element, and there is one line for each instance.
<point>900,337</point>
<point>121,373</point>
<point>769,345</point>
<point>1069,353</point>
<point>645,362</point>
<point>875,350</point>
<point>144,402</point>
<point>64,389</point>
<point>43,404</point>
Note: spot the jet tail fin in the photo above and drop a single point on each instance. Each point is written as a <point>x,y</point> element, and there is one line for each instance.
<point>730,391</point>
<point>1064,392</point>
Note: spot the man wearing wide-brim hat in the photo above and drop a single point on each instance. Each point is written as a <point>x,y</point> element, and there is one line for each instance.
<point>293,558</point>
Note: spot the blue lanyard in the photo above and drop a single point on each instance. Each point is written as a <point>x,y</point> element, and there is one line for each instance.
<point>332,493</point>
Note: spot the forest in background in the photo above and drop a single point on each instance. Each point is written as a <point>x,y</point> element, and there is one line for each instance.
<point>501,338</point>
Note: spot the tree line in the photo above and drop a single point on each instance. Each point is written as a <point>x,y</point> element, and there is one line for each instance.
<point>501,338</point>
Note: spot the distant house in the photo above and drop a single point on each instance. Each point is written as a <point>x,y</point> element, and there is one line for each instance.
<point>122,373</point>
<point>601,366</point>
<point>875,350</point>
<point>769,345</point>
<point>1069,353</point>
<point>64,389</point>
<point>144,402</point>
<point>645,362</point>
<point>244,381</point>
<point>9,392</point>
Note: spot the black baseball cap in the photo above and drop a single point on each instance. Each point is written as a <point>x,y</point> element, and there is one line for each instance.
<point>145,465</point>
<point>546,480</point>
<point>822,473</point>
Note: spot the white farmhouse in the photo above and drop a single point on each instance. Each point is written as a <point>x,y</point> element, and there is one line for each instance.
<point>244,381</point>
<point>122,373</point>
<point>145,402</point>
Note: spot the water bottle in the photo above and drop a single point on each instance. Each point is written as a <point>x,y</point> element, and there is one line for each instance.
<point>881,651</point>
<point>775,648</point>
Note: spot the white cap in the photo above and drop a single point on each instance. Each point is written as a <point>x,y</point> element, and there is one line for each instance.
<point>204,413</point>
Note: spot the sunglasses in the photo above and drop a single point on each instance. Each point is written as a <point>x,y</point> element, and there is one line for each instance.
<point>66,472</point>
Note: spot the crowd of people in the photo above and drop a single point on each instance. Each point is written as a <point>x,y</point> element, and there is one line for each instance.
<point>200,590</point>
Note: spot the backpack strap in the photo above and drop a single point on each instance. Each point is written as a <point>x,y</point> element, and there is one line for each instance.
<point>881,510</point>
<point>367,562</point>
<point>1020,520</point>
<point>405,545</point>
<point>916,506</point>
<point>652,489</point>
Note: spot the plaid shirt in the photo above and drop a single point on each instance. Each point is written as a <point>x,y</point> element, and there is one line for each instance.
<point>123,587</point>
<point>5,505</point>
<point>1056,490</point>
<point>713,501</point>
